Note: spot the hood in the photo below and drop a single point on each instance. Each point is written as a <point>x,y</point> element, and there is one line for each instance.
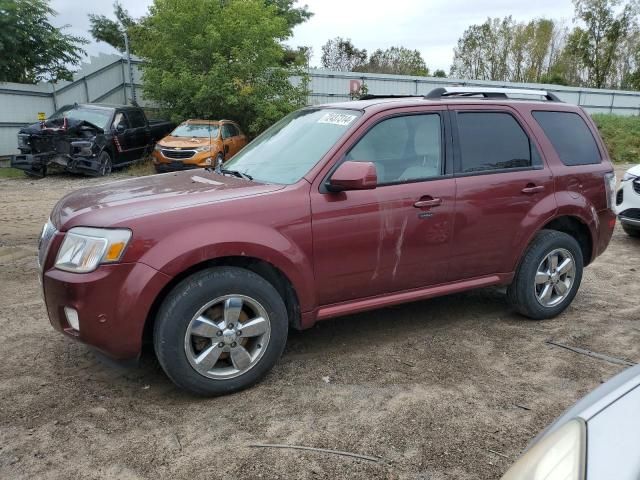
<point>634,171</point>
<point>60,125</point>
<point>184,142</point>
<point>115,202</point>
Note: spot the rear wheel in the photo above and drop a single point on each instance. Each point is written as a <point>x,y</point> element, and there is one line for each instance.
<point>220,330</point>
<point>104,164</point>
<point>548,276</point>
<point>631,231</point>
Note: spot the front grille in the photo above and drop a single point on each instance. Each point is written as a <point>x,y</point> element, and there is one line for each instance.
<point>636,186</point>
<point>48,231</point>
<point>178,154</point>
<point>632,213</point>
<point>620,197</point>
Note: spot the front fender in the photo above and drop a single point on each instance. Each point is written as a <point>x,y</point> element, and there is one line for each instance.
<point>179,250</point>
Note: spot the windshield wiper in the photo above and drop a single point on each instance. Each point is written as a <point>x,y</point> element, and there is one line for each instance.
<point>235,173</point>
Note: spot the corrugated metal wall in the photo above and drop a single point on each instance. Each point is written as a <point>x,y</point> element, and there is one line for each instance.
<point>102,80</point>
<point>105,79</point>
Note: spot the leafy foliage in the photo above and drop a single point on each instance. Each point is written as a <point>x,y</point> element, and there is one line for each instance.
<point>601,50</point>
<point>341,55</point>
<point>103,29</point>
<point>228,66</point>
<point>31,49</point>
<point>621,135</point>
<point>396,60</point>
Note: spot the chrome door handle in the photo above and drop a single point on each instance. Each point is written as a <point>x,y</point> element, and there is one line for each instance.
<point>532,190</point>
<point>432,202</point>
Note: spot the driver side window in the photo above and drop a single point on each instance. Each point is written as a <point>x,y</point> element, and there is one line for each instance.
<point>403,149</point>
<point>120,119</point>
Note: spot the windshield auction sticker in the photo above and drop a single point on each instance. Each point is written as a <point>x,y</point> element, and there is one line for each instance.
<point>342,119</point>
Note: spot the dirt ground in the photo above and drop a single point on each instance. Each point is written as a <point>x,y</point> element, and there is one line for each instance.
<point>431,388</point>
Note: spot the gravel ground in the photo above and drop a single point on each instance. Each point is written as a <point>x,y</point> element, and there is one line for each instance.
<point>431,388</point>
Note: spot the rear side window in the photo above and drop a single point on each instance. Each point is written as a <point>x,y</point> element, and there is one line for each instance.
<point>570,136</point>
<point>492,141</point>
<point>137,119</point>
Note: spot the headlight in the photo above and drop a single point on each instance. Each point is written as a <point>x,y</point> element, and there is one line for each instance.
<point>628,176</point>
<point>206,148</point>
<point>559,456</point>
<point>84,248</point>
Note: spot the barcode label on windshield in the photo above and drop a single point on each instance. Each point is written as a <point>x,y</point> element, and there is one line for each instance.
<point>342,119</point>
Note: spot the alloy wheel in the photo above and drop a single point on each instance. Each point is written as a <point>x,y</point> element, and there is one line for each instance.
<point>555,277</point>
<point>227,337</point>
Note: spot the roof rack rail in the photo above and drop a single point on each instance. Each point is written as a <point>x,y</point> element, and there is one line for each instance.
<point>370,96</point>
<point>489,92</point>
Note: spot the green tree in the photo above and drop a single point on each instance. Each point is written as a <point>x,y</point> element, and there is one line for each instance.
<point>597,45</point>
<point>31,49</point>
<point>293,15</point>
<point>396,60</point>
<point>440,74</point>
<point>229,65</point>
<point>104,29</point>
<point>341,55</point>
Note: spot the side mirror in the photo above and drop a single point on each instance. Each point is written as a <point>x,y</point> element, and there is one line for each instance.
<point>353,176</point>
<point>120,128</point>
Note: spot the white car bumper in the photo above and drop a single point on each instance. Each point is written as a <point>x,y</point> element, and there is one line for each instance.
<point>628,202</point>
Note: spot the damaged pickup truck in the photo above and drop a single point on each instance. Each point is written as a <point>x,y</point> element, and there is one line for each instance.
<point>89,139</point>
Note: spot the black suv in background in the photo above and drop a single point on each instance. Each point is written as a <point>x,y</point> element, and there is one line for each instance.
<point>88,138</point>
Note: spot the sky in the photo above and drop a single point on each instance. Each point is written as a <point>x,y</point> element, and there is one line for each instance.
<point>431,26</point>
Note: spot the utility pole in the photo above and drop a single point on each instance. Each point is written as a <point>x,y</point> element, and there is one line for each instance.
<point>133,88</point>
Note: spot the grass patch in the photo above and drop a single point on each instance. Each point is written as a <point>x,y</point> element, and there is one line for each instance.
<point>11,173</point>
<point>141,169</point>
<point>621,135</point>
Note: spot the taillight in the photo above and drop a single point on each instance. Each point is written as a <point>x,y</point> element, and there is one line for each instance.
<point>610,187</point>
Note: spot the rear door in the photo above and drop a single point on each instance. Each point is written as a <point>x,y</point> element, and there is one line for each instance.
<point>503,186</point>
<point>397,236</point>
<point>228,140</point>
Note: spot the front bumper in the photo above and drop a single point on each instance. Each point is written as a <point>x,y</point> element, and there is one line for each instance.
<point>166,164</point>
<point>628,203</point>
<point>36,163</point>
<point>113,303</point>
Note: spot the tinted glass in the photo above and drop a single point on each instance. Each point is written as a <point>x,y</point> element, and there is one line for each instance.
<point>570,136</point>
<point>402,148</point>
<point>227,131</point>
<point>136,118</point>
<point>492,141</point>
<point>290,148</point>
<point>196,130</point>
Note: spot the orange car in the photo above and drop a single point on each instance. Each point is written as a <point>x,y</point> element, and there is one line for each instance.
<point>198,144</point>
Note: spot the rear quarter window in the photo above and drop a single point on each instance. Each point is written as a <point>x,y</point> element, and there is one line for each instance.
<point>570,136</point>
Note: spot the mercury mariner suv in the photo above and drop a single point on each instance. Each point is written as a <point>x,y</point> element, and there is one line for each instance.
<point>333,210</point>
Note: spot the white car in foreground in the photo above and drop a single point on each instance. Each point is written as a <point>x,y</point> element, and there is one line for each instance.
<point>628,202</point>
<point>596,439</point>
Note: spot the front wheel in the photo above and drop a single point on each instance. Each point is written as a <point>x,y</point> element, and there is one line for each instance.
<point>220,330</point>
<point>104,164</point>
<point>548,277</point>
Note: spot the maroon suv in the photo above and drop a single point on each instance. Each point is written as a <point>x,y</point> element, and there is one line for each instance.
<point>334,210</point>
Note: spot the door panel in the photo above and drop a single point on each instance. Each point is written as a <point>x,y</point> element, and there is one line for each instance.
<point>497,208</point>
<point>397,236</point>
<point>371,242</point>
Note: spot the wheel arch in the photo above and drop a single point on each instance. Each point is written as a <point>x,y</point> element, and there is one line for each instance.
<point>266,270</point>
<point>578,229</point>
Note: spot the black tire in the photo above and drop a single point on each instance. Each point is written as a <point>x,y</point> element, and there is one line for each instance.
<point>187,298</point>
<point>631,231</point>
<point>522,291</point>
<point>104,164</point>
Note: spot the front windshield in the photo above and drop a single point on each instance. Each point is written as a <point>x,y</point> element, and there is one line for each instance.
<point>97,117</point>
<point>289,149</point>
<point>192,130</point>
